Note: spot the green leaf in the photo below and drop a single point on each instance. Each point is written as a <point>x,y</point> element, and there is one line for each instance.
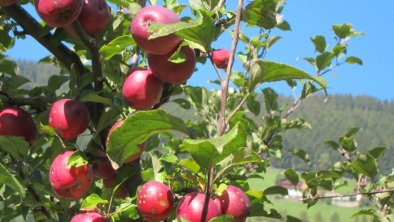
<point>190,165</point>
<point>56,81</point>
<point>260,13</point>
<point>136,129</point>
<point>332,144</point>
<point>7,66</point>
<point>95,98</point>
<point>323,60</point>
<point>354,60</point>
<point>284,26</point>
<point>320,43</point>
<point>222,218</point>
<point>253,105</point>
<point>203,4</point>
<point>14,82</point>
<point>115,46</point>
<point>270,100</point>
<point>342,31</point>
<point>17,147</point>
<point>107,118</point>
<point>348,143</point>
<point>182,103</point>
<point>292,176</point>
<point>91,202</point>
<point>292,219</point>
<point>366,165</point>
<point>352,131</point>
<point>377,152</point>
<point>274,190</point>
<point>198,33</point>
<point>267,71</point>
<point>207,152</point>
<point>77,160</point>
<point>197,95</point>
<point>10,180</point>
<point>301,154</point>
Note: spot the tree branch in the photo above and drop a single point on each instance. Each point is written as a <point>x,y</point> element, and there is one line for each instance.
<point>215,67</point>
<point>39,103</point>
<point>33,28</point>
<point>348,195</point>
<point>225,84</point>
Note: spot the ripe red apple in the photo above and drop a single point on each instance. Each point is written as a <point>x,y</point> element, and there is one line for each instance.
<point>191,206</point>
<point>17,122</point>
<point>59,13</point>
<point>139,29</point>
<point>141,146</point>
<point>102,169</point>
<point>234,201</point>
<point>171,72</point>
<point>220,58</point>
<point>93,18</point>
<point>69,183</point>
<point>121,193</point>
<point>141,89</point>
<point>69,118</point>
<point>155,201</point>
<point>4,3</point>
<point>89,217</point>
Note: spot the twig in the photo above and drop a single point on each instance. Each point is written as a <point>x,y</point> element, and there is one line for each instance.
<point>225,84</point>
<point>215,67</point>
<point>219,5</point>
<point>30,26</point>
<point>348,195</point>
<point>239,106</point>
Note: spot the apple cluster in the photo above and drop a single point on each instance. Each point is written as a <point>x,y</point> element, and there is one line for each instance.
<point>143,87</point>
<point>155,202</point>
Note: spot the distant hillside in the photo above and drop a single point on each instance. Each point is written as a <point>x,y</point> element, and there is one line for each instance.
<point>329,121</point>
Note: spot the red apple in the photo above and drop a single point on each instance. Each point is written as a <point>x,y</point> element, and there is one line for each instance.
<point>234,201</point>
<point>69,182</point>
<point>102,169</point>
<point>139,29</point>
<point>141,89</point>
<point>171,72</point>
<point>17,122</point>
<point>191,206</point>
<point>121,193</point>
<point>220,58</point>
<point>141,146</point>
<point>69,118</point>
<point>155,201</point>
<point>58,13</point>
<point>89,217</point>
<point>94,17</point>
<point>4,3</point>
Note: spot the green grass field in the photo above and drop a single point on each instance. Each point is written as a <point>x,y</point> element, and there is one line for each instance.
<point>321,212</point>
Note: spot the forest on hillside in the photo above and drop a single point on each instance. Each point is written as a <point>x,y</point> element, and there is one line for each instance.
<point>329,121</point>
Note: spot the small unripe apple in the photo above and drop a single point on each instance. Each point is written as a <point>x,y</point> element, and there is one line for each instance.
<point>93,18</point>
<point>234,201</point>
<point>4,3</point>
<point>191,206</point>
<point>121,193</point>
<point>89,217</point>
<point>155,201</point>
<point>141,146</point>
<point>171,72</point>
<point>102,169</point>
<point>141,89</point>
<point>58,13</point>
<point>69,182</point>
<point>220,58</point>
<point>69,118</point>
<point>17,122</point>
<point>139,29</point>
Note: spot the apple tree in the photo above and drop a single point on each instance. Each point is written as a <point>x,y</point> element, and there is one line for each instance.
<point>96,143</point>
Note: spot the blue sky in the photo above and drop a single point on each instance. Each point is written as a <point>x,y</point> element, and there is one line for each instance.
<point>309,18</point>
